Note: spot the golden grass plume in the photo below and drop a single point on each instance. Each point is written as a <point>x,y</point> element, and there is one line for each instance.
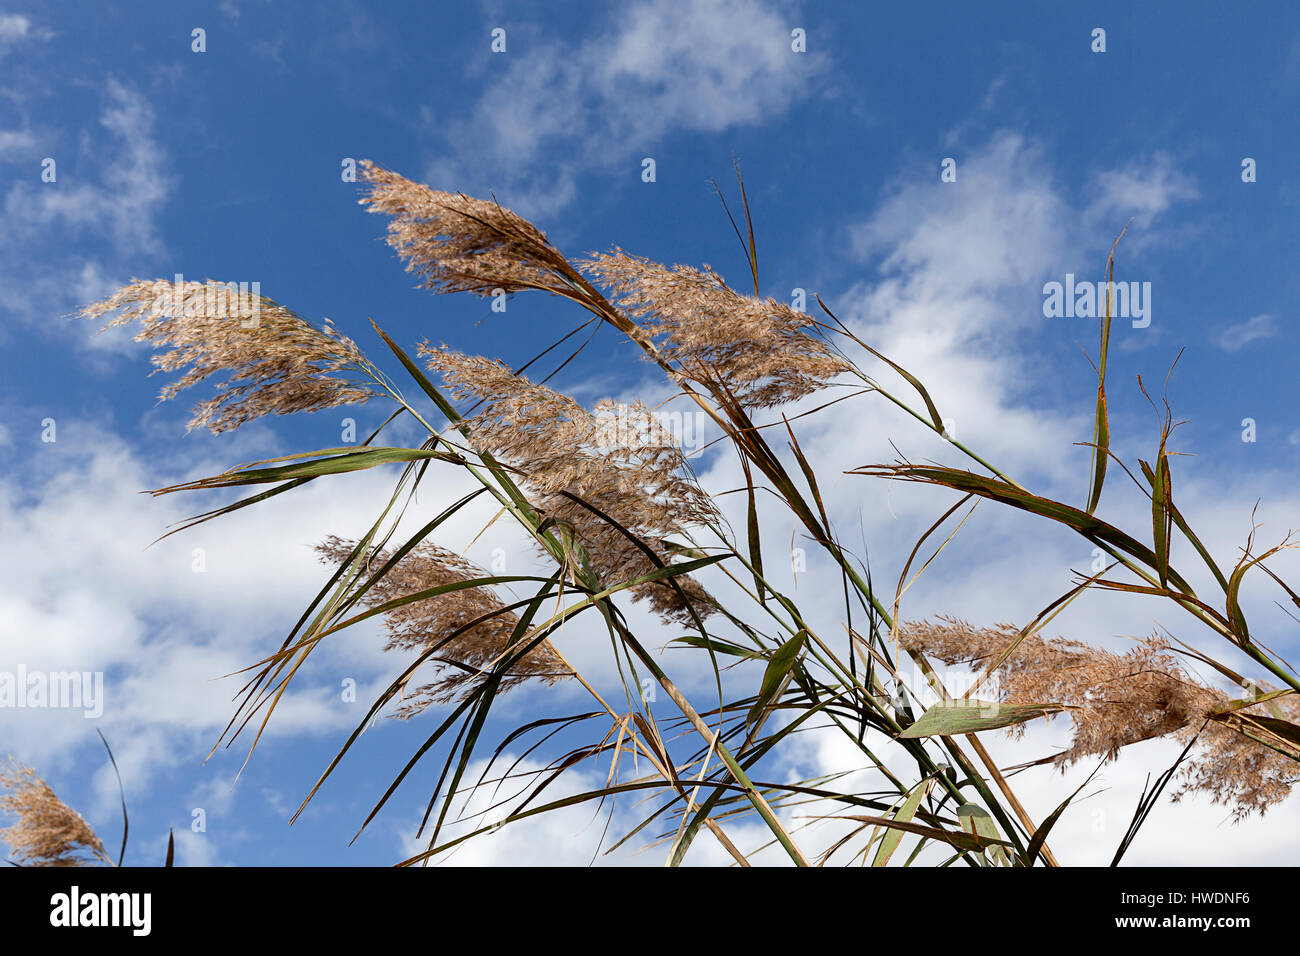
<point>277,362</point>
<point>617,458</point>
<point>763,351</point>
<point>456,243</point>
<point>485,627</point>
<point>1121,699</point>
<point>48,831</point>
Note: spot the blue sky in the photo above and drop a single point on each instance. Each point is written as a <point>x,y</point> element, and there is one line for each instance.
<point>226,164</point>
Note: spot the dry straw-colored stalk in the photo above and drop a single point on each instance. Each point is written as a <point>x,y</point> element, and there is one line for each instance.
<point>48,831</point>
<point>1119,699</point>
<point>618,459</point>
<point>277,362</point>
<point>485,628</point>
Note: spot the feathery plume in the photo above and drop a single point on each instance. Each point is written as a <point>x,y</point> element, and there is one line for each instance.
<point>1238,772</point>
<point>761,350</point>
<point>1120,699</point>
<point>278,362</point>
<point>618,458</point>
<point>467,657</point>
<point>48,831</point>
<point>456,243</point>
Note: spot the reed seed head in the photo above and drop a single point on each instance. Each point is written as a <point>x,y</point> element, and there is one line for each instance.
<point>1236,771</point>
<point>48,831</point>
<point>277,363</point>
<point>763,351</point>
<point>468,630</point>
<point>1120,699</point>
<point>456,243</point>
<point>617,458</point>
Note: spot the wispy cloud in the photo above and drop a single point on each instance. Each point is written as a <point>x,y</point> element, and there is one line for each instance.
<point>664,66</point>
<point>16,28</point>
<point>13,26</point>
<point>1142,190</point>
<point>578,835</point>
<point>1234,338</point>
<point>162,623</point>
<point>15,140</point>
<point>119,203</point>
<point>65,240</point>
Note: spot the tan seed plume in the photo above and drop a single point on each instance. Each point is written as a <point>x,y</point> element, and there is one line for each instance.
<point>618,458</point>
<point>48,831</point>
<point>1121,699</point>
<point>763,351</point>
<point>468,657</point>
<point>277,363</point>
<point>456,243</point>
<point>1238,772</point>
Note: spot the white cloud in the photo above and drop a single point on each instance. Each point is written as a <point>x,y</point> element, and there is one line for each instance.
<point>1142,190</point>
<point>957,302</point>
<point>16,28</point>
<point>120,206</point>
<point>996,227</point>
<point>110,211</point>
<point>83,592</point>
<point>1234,338</point>
<point>15,140</point>
<point>13,26</point>
<point>578,835</point>
<point>664,66</point>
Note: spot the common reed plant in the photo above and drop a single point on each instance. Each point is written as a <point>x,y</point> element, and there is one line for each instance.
<point>627,519</point>
<point>47,832</point>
